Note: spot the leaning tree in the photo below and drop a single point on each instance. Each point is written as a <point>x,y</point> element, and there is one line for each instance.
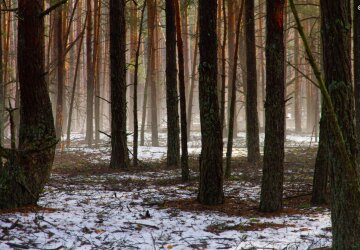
<point>27,169</point>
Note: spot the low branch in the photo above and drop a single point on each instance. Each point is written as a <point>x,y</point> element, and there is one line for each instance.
<point>51,8</point>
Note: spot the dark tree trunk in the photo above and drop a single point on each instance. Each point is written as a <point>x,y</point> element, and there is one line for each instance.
<point>135,93</point>
<point>59,35</point>
<point>273,169</point>
<point>211,171</point>
<point>119,150</point>
<point>345,201</point>
<point>90,79</point>
<point>232,116</point>
<point>2,93</point>
<point>252,119</point>
<point>357,64</point>
<point>172,104</point>
<point>322,164</point>
<point>181,62</point>
<point>27,170</point>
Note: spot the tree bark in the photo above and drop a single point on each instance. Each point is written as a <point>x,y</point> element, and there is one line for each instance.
<point>336,38</point>
<point>28,168</point>
<point>357,64</point>
<point>211,171</point>
<point>172,104</point>
<point>119,150</point>
<point>185,173</point>
<point>59,35</point>
<point>273,168</point>
<point>252,119</point>
<point>90,79</point>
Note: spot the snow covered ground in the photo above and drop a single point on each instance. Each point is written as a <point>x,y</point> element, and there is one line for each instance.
<point>132,211</point>
<point>99,216</point>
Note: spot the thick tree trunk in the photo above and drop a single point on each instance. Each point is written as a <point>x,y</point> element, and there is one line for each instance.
<point>252,119</point>
<point>27,170</point>
<point>185,173</point>
<point>211,171</point>
<point>357,64</point>
<point>172,104</point>
<point>273,169</point>
<point>336,38</point>
<point>119,150</point>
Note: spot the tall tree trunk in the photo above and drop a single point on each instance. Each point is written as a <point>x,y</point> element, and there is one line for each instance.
<point>186,41</point>
<point>135,93</point>
<point>119,150</point>
<point>345,209</point>
<point>90,79</point>
<point>357,64</point>
<point>28,168</point>
<point>233,96</point>
<point>297,93</point>
<point>185,173</point>
<point>273,169</point>
<point>96,67</point>
<point>133,50</point>
<point>193,79</point>
<point>252,119</point>
<point>172,104</point>
<point>2,93</point>
<point>211,171</point>
<point>152,68</point>
<point>60,60</point>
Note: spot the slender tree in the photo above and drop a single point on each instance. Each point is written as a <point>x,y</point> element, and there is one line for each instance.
<point>357,64</point>
<point>119,150</point>
<point>2,92</point>
<point>172,104</point>
<point>252,119</point>
<point>273,168</point>
<point>90,78</point>
<point>28,168</point>
<point>211,171</point>
<point>181,62</point>
<point>59,34</point>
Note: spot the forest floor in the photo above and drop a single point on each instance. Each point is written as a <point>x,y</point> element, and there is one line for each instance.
<point>87,206</point>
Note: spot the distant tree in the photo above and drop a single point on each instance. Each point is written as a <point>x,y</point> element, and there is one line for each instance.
<point>119,150</point>
<point>28,167</point>
<point>90,78</point>
<point>252,119</point>
<point>172,103</point>
<point>211,171</point>
<point>181,62</point>
<point>273,168</point>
